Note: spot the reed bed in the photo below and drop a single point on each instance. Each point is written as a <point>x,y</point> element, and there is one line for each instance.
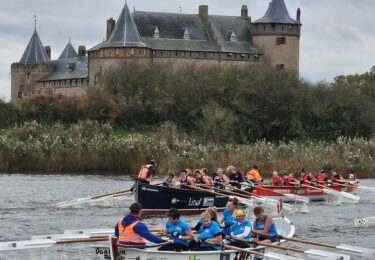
<point>90,146</point>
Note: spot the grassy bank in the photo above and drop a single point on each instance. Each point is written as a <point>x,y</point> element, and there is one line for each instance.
<point>92,146</point>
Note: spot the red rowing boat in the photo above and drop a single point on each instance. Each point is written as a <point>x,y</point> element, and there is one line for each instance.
<point>313,193</point>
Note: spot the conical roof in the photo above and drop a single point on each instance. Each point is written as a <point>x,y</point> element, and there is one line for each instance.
<point>68,52</point>
<point>277,13</point>
<point>125,33</point>
<point>34,52</point>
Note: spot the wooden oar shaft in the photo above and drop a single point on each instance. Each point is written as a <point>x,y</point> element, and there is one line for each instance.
<point>306,241</point>
<point>209,191</point>
<point>108,194</point>
<point>271,245</point>
<point>142,246</point>
<point>235,248</point>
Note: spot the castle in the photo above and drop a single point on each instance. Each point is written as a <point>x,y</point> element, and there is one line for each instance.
<point>153,37</point>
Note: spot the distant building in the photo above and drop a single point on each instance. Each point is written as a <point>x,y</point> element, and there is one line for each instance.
<point>152,37</point>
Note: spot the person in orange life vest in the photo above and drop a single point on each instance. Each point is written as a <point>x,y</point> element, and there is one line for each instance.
<point>131,231</point>
<point>276,179</point>
<point>254,175</point>
<point>303,176</point>
<point>288,179</point>
<point>336,177</point>
<point>147,172</point>
<point>322,178</point>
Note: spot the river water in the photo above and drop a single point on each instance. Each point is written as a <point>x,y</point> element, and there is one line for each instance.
<point>28,207</point>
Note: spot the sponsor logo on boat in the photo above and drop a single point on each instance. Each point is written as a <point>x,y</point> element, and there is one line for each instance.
<point>282,191</point>
<point>208,202</point>
<point>193,257</point>
<point>175,200</point>
<point>149,189</point>
<point>194,202</point>
<point>299,191</point>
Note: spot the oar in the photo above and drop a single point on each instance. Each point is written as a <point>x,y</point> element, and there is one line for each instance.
<point>40,243</point>
<point>266,255</point>
<point>289,195</point>
<point>331,191</point>
<point>359,186</point>
<point>310,252</point>
<point>89,199</point>
<point>353,249</point>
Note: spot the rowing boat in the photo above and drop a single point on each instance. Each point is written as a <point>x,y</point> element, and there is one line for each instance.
<point>159,199</point>
<point>273,192</point>
<point>284,227</point>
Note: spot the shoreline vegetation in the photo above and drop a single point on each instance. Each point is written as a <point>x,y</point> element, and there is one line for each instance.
<point>190,117</point>
<point>90,146</point>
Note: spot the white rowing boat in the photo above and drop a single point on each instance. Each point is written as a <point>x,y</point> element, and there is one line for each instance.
<point>283,225</point>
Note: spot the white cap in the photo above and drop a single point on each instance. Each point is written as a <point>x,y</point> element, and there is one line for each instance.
<point>275,173</point>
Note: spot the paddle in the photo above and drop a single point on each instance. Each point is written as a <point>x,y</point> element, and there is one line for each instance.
<point>40,243</point>
<point>70,203</point>
<point>353,249</point>
<point>359,186</point>
<point>310,252</point>
<point>331,191</point>
<point>267,255</point>
<point>289,195</point>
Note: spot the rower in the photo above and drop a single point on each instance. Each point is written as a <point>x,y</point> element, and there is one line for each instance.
<point>235,177</point>
<point>253,175</point>
<point>213,213</point>
<point>276,179</point>
<point>210,231</point>
<point>263,225</point>
<point>240,229</point>
<point>179,231</point>
<point>147,172</point>
<point>323,177</point>
<point>201,179</point>
<point>204,172</point>
<point>336,177</point>
<point>220,179</point>
<point>185,180</point>
<point>311,178</point>
<point>227,216</point>
<point>170,181</point>
<point>303,176</point>
<point>287,179</point>
<point>131,231</point>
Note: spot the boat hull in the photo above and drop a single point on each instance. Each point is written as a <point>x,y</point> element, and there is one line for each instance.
<point>312,193</point>
<point>158,199</point>
<point>283,225</point>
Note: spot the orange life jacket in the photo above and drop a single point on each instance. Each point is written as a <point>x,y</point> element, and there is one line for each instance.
<point>253,175</point>
<point>127,234</point>
<point>288,181</point>
<point>143,173</point>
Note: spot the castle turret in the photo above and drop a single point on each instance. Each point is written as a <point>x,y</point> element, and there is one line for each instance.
<point>277,35</point>
<point>34,64</point>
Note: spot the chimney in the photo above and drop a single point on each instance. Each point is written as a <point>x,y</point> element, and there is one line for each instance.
<point>110,26</point>
<point>81,52</point>
<point>203,12</point>
<point>48,50</point>
<point>299,15</point>
<point>244,12</point>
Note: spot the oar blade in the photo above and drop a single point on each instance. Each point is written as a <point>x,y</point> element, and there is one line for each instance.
<point>342,194</point>
<point>296,197</point>
<point>272,255</point>
<point>26,244</point>
<point>358,250</point>
<point>366,188</point>
<point>319,254</point>
<point>60,237</point>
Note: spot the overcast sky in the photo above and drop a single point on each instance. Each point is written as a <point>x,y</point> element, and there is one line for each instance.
<point>338,36</point>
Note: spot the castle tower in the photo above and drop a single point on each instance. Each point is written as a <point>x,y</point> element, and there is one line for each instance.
<point>34,64</point>
<point>277,35</point>
<point>124,44</point>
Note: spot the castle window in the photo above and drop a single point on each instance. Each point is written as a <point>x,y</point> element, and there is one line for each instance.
<point>161,53</point>
<point>279,66</point>
<point>290,27</point>
<point>20,91</point>
<point>176,53</point>
<point>273,26</point>
<point>264,27</point>
<point>28,75</point>
<point>280,40</point>
<point>117,51</point>
<point>81,81</point>
<point>242,56</point>
<point>132,51</point>
<point>233,37</point>
<point>70,82</point>
<point>183,54</point>
<point>191,54</point>
<point>229,54</point>
<point>169,53</point>
<point>282,28</point>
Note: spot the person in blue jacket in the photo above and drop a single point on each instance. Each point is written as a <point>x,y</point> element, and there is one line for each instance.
<point>263,227</point>
<point>209,232</point>
<point>227,216</point>
<point>178,230</point>
<point>241,229</point>
<point>131,231</point>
